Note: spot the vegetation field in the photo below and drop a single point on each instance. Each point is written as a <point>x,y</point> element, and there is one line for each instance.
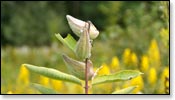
<point>132,36</point>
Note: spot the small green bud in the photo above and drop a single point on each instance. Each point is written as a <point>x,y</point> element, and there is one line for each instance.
<point>77,27</point>
<point>83,46</point>
<point>77,68</point>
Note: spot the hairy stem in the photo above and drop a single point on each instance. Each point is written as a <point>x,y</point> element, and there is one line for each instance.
<point>86,66</point>
<point>86,77</point>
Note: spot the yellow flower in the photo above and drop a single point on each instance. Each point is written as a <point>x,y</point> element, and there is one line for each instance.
<point>71,88</point>
<point>9,92</point>
<point>154,54</point>
<point>115,64</point>
<point>164,79</point>
<point>104,70</point>
<point>134,59</point>
<point>167,83</point>
<point>57,85</point>
<point>138,81</point>
<point>78,89</point>
<point>165,73</point>
<point>44,80</point>
<point>23,77</point>
<point>126,56</point>
<point>144,63</point>
<point>167,89</point>
<point>152,76</point>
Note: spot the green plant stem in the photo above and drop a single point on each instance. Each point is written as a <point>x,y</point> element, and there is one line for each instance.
<point>86,76</point>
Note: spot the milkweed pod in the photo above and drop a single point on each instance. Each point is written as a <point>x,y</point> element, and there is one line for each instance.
<point>83,46</point>
<point>90,69</point>
<point>77,68</point>
<point>77,25</point>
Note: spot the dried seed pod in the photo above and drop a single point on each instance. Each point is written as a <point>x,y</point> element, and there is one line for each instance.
<point>77,68</point>
<point>77,27</point>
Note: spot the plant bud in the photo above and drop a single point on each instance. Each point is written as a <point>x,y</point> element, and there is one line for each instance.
<point>90,69</point>
<point>77,27</point>
<point>83,46</point>
<point>77,68</point>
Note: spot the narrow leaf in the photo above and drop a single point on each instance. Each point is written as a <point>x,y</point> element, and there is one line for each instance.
<point>43,89</point>
<point>125,90</point>
<point>95,73</point>
<point>119,76</point>
<point>69,41</point>
<point>53,73</point>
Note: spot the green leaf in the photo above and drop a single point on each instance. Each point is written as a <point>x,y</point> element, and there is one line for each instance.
<point>69,41</point>
<point>53,73</point>
<point>125,90</point>
<point>119,76</point>
<point>43,89</point>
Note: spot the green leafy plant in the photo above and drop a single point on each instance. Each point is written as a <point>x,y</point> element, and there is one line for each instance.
<point>81,72</point>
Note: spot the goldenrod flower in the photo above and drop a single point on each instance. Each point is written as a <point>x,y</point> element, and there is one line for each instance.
<point>152,76</point>
<point>23,77</point>
<point>115,64</point>
<point>165,79</point>
<point>138,81</point>
<point>71,88</point>
<point>104,70</point>
<point>144,63</point>
<point>165,73</point>
<point>9,92</point>
<point>167,89</point>
<point>77,88</point>
<point>134,59</point>
<point>164,82</point>
<point>126,56</point>
<point>154,54</point>
<point>44,80</point>
<point>57,85</point>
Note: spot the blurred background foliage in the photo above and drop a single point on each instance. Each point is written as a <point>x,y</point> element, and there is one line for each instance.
<point>134,34</point>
